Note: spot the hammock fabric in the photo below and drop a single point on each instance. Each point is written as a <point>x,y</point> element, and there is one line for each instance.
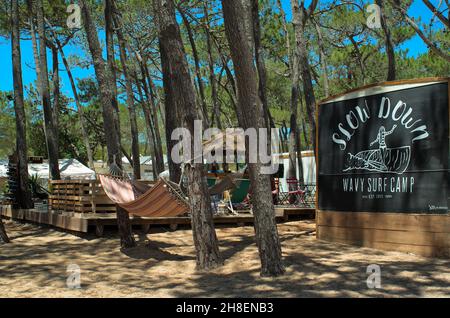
<point>164,199</point>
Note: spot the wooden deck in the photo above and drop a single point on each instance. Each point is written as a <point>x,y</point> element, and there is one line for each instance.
<point>83,222</point>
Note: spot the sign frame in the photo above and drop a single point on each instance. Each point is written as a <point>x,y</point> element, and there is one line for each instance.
<point>430,80</point>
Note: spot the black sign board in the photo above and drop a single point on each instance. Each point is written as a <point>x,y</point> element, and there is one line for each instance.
<point>387,152</point>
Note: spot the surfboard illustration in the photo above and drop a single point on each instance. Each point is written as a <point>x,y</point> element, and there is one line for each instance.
<point>383,159</point>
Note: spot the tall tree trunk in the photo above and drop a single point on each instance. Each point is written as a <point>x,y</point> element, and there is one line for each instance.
<point>56,90</point>
<point>183,95</point>
<point>251,109</point>
<point>171,114</point>
<point>81,118</point>
<point>149,126</point>
<point>19,109</point>
<point>155,106</point>
<point>106,96</point>
<point>32,14</point>
<point>111,63</point>
<point>152,106</point>
<point>130,98</point>
<point>232,94</point>
<point>50,130</point>
<point>212,75</point>
<point>3,235</point>
<point>359,59</point>
<point>304,121</point>
<point>299,19</point>
<point>198,73</point>
<point>248,24</point>
<point>388,42</point>
<point>295,154</point>
<point>323,60</point>
<point>106,88</point>
<point>260,65</point>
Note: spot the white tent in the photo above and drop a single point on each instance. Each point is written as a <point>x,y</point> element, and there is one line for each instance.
<point>308,164</point>
<point>3,168</point>
<point>70,169</point>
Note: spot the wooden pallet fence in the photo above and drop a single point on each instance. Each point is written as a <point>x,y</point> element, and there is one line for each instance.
<point>82,196</point>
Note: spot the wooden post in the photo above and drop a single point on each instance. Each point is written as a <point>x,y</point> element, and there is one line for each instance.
<point>125,229</point>
<point>3,236</point>
<point>145,228</point>
<point>92,186</point>
<point>99,229</point>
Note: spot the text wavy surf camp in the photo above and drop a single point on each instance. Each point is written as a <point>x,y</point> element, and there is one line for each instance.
<point>379,185</point>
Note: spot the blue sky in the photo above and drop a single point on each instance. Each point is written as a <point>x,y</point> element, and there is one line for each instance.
<point>415,47</point>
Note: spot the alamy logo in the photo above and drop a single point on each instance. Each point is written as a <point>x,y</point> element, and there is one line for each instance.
<point>374,19</point>
<point>229,146</point>
<point>74,276</point>
<point>374,279</point>
<point>74,19</point>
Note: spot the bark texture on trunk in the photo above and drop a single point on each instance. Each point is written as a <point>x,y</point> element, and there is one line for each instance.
<point>212,75</point>
<point>111,63</point>
<point>32,14</point>
<point>294,144</point>
<point>111,135</point>
<point>260,65</point>
<point>125,230</point>
<point>155,106</point>
<point>182,94</point>
<point>198,74</point>
<point>171,114</point>
<point>391,74</point>
<point>130,97</point>
<point>3,235</point>
<point>56,92</point>
<point>150,110</point>
<point>106,87</point>
<point>300,16</point>
<point>50,129</point>
<point>251,109</point>
<point>81,118</point>
<point>323,59</point>
<point>25,200</point>
<point>149,125</point>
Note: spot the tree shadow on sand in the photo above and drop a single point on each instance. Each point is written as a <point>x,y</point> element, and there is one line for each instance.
<point>153,251</point>
<point>158,266</point>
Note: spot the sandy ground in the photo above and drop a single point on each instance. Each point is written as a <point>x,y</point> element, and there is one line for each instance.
<point>163,265</point>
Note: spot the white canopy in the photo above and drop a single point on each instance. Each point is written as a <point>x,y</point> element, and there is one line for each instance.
<point>3,168</point>
<point>70,169</point>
